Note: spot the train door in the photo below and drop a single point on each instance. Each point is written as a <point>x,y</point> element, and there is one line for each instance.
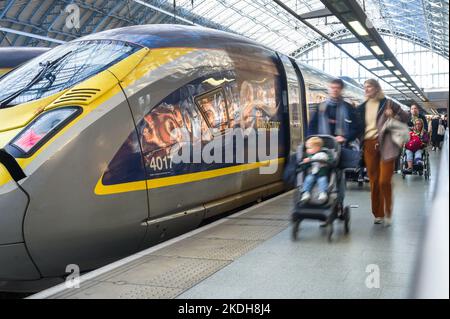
<point>295,93</point>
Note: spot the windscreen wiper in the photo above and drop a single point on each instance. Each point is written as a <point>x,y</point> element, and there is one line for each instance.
<point>46,66</point>
<point>11,165</point>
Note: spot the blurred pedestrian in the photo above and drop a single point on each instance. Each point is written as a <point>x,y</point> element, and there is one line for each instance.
<point>380,151</point>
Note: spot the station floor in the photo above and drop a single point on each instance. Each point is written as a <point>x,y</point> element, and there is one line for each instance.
<point>250,254</point>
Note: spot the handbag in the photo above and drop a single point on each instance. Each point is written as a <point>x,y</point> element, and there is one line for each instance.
<point>441,129</point>
<point>350,158</point>
<point>399,131</point>
<point>414,144</point>
<point>290,171</point>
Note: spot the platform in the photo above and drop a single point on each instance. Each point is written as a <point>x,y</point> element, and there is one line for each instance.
<point>250,254</point>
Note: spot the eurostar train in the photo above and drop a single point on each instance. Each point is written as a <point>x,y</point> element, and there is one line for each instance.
<point>87,139</point>
<point>15,56</point>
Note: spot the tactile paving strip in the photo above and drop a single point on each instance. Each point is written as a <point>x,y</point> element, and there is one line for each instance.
<point>256,222</point>
<point>209,248</point>
<point>286,217</point>
<point>110,290</point>
<point>272,210</point>
<point>169,272</point>
<point>241,232</point>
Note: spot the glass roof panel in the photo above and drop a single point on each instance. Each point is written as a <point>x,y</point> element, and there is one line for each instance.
<point>425,21</point>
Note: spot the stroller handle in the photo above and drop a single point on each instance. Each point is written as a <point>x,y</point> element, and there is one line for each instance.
<point>301,165</point>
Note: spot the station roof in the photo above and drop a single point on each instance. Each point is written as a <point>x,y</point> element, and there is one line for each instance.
<point>289,30</point>
<point>421,21</point>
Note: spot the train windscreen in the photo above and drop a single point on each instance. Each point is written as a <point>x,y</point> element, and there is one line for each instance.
<point>61,68</point>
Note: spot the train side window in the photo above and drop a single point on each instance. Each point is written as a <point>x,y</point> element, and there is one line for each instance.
<point>214,109</point>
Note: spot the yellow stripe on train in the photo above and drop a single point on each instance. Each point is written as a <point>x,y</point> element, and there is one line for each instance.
<point>4,70</point>
<point>101,189</point>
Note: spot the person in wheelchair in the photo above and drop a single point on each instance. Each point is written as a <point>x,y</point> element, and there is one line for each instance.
<point>418,140</point>
<point>317,168</point>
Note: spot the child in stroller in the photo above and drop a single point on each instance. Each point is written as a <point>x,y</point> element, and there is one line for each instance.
<point>316,163</point>
<point>318,185</point>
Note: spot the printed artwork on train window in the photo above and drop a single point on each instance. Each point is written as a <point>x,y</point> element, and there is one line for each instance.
<point>258,104</point>
<point>171,125</point>
<point>199,113</point>
<point>214,109</point>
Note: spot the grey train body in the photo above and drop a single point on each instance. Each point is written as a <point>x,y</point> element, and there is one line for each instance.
<point>54,217</point>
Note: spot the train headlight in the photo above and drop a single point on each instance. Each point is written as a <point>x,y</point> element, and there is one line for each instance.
<point>41,130</point>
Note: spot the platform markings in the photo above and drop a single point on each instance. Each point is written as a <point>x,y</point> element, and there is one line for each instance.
<point>122,262</point>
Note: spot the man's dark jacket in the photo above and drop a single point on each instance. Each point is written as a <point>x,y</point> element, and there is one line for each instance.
<point>353,129</point>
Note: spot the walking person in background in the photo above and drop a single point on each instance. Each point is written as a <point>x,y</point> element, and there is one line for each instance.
<point>415,114</point>
<point>429,118</point>
<point>436,139</point>
<point>380,151</point>
<point>441,130</point>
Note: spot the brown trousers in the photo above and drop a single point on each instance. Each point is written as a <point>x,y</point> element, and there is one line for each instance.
<point>380,174</point>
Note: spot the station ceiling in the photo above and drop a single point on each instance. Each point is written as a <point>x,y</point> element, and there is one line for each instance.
<point>421,21</point>
<point>51,22</point>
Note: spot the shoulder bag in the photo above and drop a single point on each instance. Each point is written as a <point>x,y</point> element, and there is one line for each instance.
<point>399,131</point>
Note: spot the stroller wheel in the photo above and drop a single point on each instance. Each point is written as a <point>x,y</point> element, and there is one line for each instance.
<point>360,184</point>
<point>295,229</point>
<point>347,219</point>
<point>330,232</point>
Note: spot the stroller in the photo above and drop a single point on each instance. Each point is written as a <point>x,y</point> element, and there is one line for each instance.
<point>328,211</point>
<point>357,174</point>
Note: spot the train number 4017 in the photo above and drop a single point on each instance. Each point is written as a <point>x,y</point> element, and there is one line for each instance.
<point>159,163</point>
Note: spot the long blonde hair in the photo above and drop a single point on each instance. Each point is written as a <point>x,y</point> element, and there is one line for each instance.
<point>376,84</point>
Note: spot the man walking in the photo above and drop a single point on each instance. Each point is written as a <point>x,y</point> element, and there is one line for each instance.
<point>415,114</point>
<point>338,118</point>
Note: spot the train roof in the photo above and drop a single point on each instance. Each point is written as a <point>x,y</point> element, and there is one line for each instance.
<point>170,35</point>
<point>10,57</point>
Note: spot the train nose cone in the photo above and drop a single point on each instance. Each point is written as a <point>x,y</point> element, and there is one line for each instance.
<point>15,262</point>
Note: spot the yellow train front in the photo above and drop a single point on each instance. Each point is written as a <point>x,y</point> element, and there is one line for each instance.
<point>89,131</point>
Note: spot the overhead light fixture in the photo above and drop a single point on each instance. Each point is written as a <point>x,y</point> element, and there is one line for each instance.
<point>408,84</point>
<point>357,26</point>
<point>389,63</point>
<point>377,49</point>
<point>397,72</point>
<point>403,78</point>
